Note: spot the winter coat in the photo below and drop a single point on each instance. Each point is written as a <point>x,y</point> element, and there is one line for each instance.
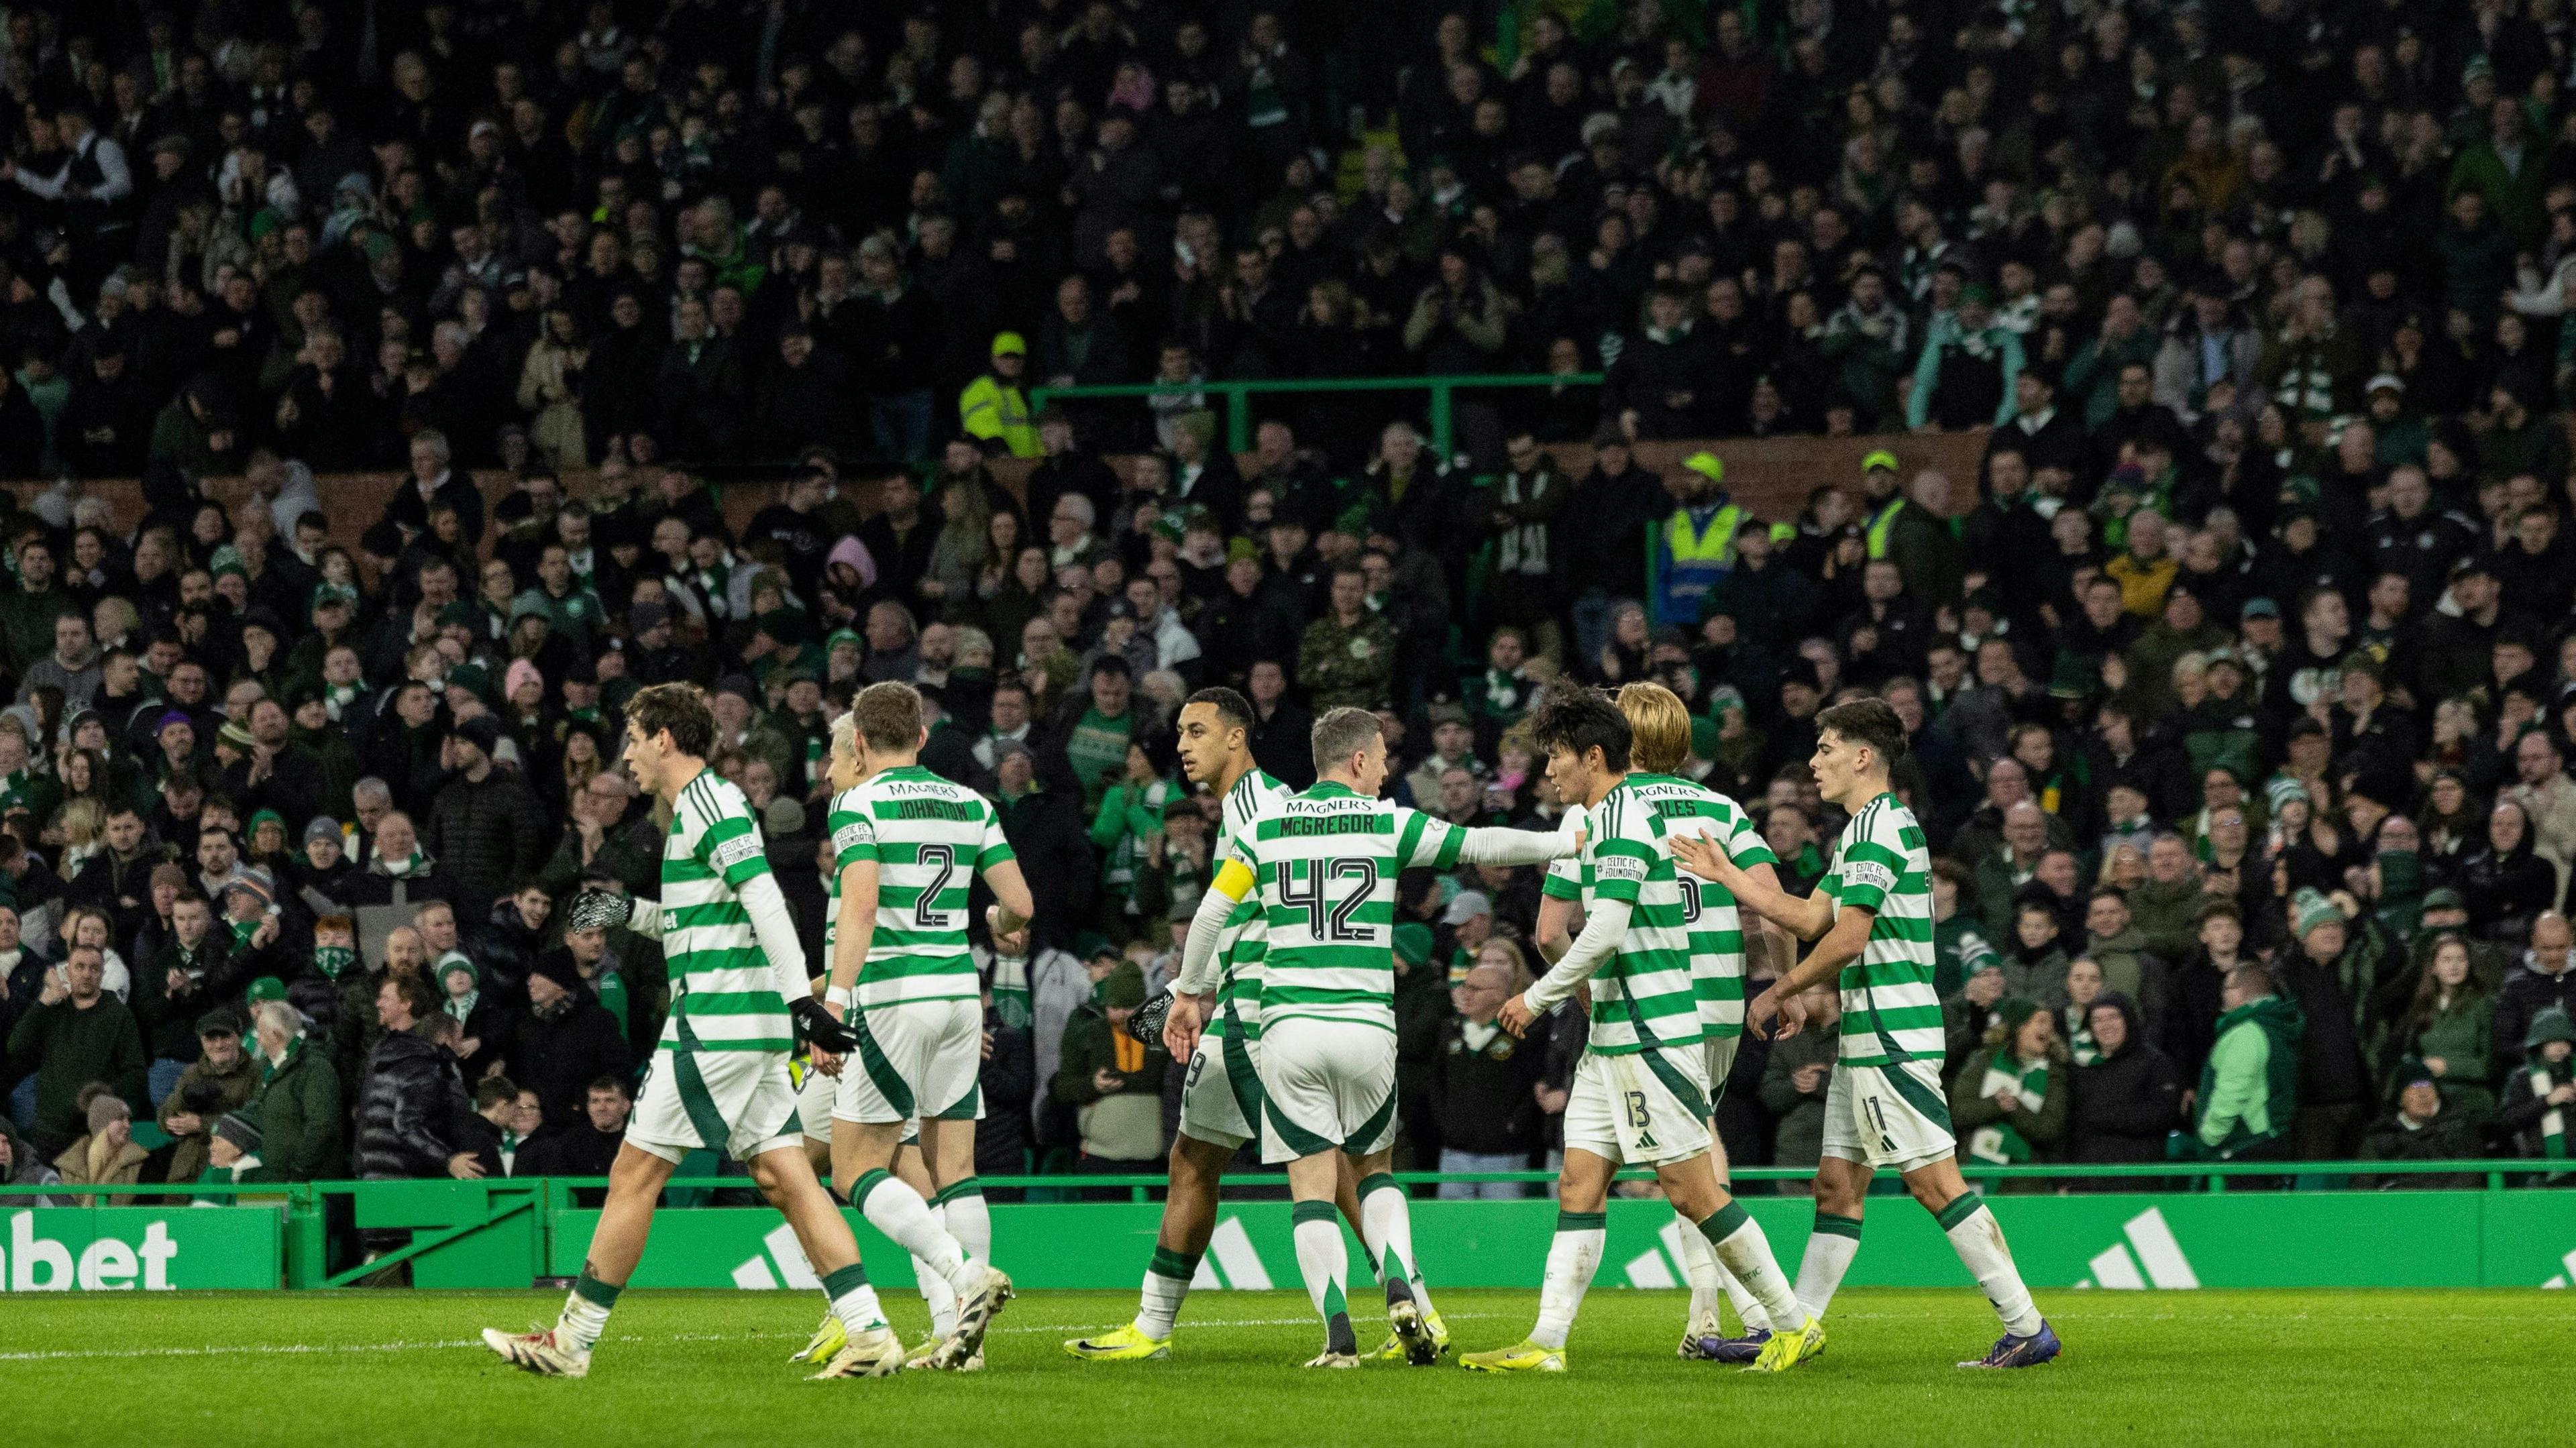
<point>488,835</point>
<point>1799,1137</point>
<point>232,1089</point>
<point>410,1112</point>
<point>2249,1090</point>
<point>2528,992</point>
<point>299,1113</point>
<point>1970,1108</point>
<point>558,1058</point>
<point>2124,1104</point>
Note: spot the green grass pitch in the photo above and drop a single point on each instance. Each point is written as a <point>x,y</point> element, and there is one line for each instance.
<point>396,1368</point>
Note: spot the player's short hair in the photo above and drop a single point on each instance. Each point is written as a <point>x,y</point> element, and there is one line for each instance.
<point>1582,720</point>
<point>1872,722</point>
<point>889,716</point>
<point>1231,708</point>
<point>1342,733</point>
<point>491,1091</point>
<point>678,708</point>
<point>1659,726</point>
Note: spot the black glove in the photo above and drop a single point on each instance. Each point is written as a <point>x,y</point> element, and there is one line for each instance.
<point>815,1026</point>
<point>595,909</point>
<point>1146,1024</point>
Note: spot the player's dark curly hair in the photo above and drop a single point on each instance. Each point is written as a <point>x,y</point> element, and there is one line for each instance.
<point>1582,720</point>
<point>680,708</point>
<point>1868,721</point>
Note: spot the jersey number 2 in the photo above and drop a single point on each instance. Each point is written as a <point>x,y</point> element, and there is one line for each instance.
<point>1333,924</point>
<point>944,857</point>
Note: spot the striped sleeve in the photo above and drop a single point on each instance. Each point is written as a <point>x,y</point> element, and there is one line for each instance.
<point>1742,842</point>
<point>1564,881</point>
<point>730,846</point>
<point>1870,867</point>
<point>1424,842</point>
<point>854,835</point>
<point>993,849</point>
<point>1623,852</point>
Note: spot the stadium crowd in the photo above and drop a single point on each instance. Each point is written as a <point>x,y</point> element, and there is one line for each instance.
<point>2240,675</point>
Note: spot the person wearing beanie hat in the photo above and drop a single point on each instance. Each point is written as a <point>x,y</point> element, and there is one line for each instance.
<point>2540,1097</point>
<point>107,1154</point>
<point>2336,963</point>
<point>487,830</point>
<point>2422,1127</point>
<point>2009,1098</point>
<point>232,1159</point>
<point>1112,1080</point>
<point>562,1041</point>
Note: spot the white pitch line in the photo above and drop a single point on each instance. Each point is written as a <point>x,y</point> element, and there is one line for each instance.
<point>301,1349</point>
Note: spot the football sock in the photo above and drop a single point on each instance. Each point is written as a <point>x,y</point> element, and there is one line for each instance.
<point>1830,1248</point>
<point>1698,1263</point>
<point>1325,1263</point>
<point>899,1212</point>
<point>585,1313</point>
<point>1386,1219</point>
<point>936,1294</point>
<point>1167,1283</point>
<point>962,1210</point>
<point>1749,1308</point>
<point>1746,1253</point>
<point>854,1302</point>
<point>1572,1257</point>
<point>1979,1241</point>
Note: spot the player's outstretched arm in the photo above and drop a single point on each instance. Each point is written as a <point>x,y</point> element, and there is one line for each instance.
<point>1840,947</point>
<point>1502,845</point>
<point>1805,917</point>
<point>1606,921</point>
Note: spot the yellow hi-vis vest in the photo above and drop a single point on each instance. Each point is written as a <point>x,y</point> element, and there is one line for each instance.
<point>1697,561</point>
<point>1881,525</point>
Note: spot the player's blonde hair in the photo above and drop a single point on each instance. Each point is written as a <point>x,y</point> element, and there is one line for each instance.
<point>1660,726</point>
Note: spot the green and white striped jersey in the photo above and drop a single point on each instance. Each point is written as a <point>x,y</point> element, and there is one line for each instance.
<point>725,996</point>
<point>1246,937</point>
<point>1890,1013</point>
<point>1709,911</point>
<point>1643,994</point>
<point>929,837</point>
<point>1324,865</point>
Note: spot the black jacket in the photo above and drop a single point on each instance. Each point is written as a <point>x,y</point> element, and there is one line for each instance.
<point>487,836</point>
<point>2124,1104</point>
<point>1047,832</point>
<point>559,1058</point>
<point>2527,993</point>
<point>412,1110</point>
<point>1486,1100</point>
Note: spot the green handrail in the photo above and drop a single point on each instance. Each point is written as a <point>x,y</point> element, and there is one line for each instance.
<point>1238,427</point>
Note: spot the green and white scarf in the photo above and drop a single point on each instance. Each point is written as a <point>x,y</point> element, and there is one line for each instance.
<point>1999,1143</point>
<point>331,960</point>
<point>2553,1123</point>
<point>1011,990</point>
<point>404,868</point>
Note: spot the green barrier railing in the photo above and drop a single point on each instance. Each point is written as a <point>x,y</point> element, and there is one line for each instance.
<point>1239,395</point>
<point>464,1233</point>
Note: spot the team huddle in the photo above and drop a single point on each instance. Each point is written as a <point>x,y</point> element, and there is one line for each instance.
<point>1283,1008</point>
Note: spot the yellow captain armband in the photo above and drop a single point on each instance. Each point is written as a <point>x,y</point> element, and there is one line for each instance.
<point>1233,880</point>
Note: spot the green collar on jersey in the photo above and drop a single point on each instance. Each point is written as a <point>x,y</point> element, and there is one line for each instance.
<point>904,771</point>
<point>1331,789</point>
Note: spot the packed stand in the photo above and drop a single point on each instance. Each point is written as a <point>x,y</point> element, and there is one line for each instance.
<point>2241,685</point>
